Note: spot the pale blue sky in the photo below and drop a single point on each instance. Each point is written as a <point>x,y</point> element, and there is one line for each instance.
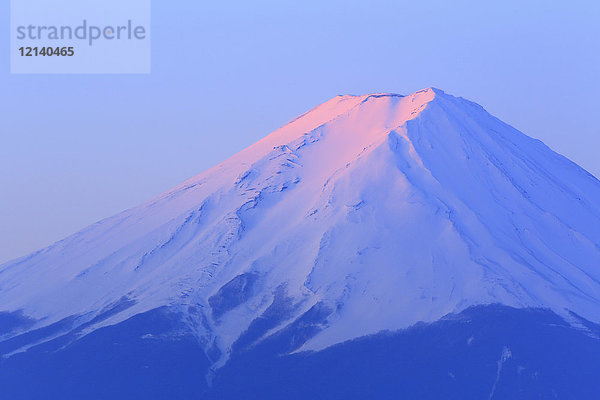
<point>77,148</point>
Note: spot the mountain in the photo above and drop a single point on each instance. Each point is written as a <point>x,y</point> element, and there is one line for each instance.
<point>415,244</point>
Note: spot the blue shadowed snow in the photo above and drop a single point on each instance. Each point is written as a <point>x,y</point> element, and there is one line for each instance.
<point>484,352</point>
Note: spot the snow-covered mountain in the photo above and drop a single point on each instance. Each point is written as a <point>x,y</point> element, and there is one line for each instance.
<point>366,214</point>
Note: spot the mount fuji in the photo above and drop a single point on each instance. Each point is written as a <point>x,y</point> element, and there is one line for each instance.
<point>378,246</point>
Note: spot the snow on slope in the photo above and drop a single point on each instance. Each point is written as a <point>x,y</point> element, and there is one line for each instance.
<point>383,209</point>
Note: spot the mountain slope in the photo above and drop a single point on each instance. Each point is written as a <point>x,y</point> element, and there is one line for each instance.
<point>368,213</point>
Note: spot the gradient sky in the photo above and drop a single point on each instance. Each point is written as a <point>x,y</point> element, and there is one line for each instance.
<point>78,148</point>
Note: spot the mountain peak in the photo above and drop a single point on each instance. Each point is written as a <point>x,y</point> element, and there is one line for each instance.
<point>372,110</point>
<point>431,90</point>
<point>371,212</point>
